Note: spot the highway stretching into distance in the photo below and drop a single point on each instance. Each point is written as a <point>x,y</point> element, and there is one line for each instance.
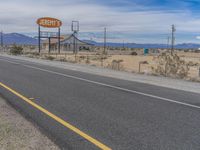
<point>82,111</point>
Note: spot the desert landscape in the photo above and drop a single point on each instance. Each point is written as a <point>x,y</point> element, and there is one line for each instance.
<point>182,64</point>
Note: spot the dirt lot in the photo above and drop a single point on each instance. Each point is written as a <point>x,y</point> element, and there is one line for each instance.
<point>16,133</point>
<point>126,62</point>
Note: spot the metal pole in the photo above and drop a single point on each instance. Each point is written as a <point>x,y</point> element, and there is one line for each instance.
<point>74,43</point>
<point>173,39</point>
<point>49,44</point>
<point>104,49</point>
<point>75,30</point>
<point>2,39</point>
<point>59,40</point>
<point>39,36</point>
<point>77,50</point>
<point>105,32</point>
<point>168,38</point>
<point>74,50</point>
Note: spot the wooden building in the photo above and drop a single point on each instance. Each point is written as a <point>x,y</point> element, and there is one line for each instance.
<point>68,43</point>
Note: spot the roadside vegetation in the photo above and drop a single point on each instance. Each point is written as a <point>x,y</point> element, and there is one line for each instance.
<point>16,50</point>
<point>182,64</point>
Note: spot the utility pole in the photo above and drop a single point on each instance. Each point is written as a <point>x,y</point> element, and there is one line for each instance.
<point>59,40</point>
<point>168,40</point>
<point>173,39</point>
<point>105,39</point>
<point>1,39</point>
<point>39,39</point>
<point>104,47</point>
<point>75,30</point>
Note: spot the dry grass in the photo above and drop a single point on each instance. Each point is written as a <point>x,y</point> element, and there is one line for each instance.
<point>124,61</point>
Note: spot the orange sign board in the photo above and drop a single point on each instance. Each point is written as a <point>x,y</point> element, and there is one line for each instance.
<point>48,22</point>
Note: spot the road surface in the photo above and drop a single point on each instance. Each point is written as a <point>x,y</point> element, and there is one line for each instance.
<point>85,111</point>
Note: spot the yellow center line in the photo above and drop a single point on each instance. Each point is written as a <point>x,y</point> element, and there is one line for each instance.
<point>61,121</point>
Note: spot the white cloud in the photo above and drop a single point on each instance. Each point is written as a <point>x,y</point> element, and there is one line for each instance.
<point>21,15</point>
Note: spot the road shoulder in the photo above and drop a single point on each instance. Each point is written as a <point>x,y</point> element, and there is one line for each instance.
<point>167,82</point>
<point>18,133</point>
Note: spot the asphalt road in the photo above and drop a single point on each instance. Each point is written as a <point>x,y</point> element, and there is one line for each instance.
<point>119,114</point>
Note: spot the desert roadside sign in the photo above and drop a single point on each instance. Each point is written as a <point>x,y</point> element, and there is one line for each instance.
<point>49,22</point>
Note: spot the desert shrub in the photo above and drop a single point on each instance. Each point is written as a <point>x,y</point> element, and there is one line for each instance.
<point>36,53</point>
<point>98,53</point>
<point>123,49</point>
<point>31,54</point>
<point>84,48</point>
<point>16,50</point>
<point>116,65</point>
<point>197,51</point>
<point>62,59</point>
<point>134,53</point>
<point>82,57</point>
<point>87,60</point>
<point>104,57</point>
<point>95,58</point>
<point>97,48</point>
<point>168,65</point>
<point>49,57</point>
<point>32,47</point>
<point>190,63</point>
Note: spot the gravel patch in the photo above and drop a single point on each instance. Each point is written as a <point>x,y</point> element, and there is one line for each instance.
<point>16,133</point>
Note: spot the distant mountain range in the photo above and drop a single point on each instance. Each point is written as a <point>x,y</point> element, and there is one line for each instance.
<point>16,38</point>
<point>135,45</point>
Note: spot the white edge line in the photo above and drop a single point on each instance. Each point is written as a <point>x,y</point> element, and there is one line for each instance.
<point>149,82</point>
<point>106,85</point>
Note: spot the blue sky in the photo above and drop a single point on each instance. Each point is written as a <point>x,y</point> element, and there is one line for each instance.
<point>138,21</point>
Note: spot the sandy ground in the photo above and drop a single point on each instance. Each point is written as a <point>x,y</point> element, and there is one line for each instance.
<point>129,62</point>
<point>16,133</point>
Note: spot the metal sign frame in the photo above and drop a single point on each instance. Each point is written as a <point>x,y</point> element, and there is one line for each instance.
<point>75,30</point>
<point>48,35</point>
<point>75,26</point>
